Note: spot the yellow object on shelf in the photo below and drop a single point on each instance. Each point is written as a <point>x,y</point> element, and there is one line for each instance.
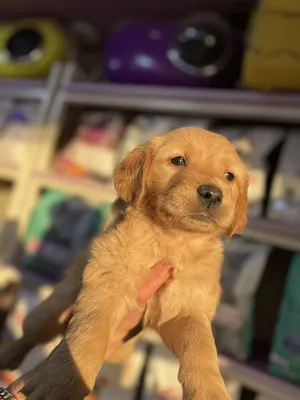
<point>28,48</point>
<point>272,56</point>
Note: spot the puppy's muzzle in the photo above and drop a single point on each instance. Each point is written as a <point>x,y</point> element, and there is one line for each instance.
<point>210,196</point>
<point>5,395</point>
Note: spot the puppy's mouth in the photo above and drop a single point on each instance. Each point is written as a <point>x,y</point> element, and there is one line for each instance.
<point>203,216</point>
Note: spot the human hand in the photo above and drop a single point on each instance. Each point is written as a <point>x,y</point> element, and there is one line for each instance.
<point>158,276</point>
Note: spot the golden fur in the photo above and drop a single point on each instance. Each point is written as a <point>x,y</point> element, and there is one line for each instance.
<point>164,220</point>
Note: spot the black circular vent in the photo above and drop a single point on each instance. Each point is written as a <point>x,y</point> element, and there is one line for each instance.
<point>23,42</point>
<point>202,46</point>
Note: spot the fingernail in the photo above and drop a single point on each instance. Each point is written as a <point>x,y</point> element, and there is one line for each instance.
<point>162,263</point>
<point>167,264</point>
<point>169,270</point>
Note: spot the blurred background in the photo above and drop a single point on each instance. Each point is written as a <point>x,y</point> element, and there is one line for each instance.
<point>83,83</point>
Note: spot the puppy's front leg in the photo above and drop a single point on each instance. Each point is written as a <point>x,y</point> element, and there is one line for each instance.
<point>71,369</point>
<point>192,342</point>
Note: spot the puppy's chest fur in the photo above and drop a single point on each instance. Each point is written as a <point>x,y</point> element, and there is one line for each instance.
<point>129,250</point>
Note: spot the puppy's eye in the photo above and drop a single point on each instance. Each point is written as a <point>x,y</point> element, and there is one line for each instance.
<point>179,161</point>
<point>229,176</point>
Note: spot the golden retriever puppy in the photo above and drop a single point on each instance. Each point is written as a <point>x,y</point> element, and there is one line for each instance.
<point>184,191</point>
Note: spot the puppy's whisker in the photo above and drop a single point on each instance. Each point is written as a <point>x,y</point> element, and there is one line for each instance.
<point>151,197</point>
<point>155,194</point>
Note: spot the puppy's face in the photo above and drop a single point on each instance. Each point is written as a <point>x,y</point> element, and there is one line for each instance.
<point>190,178</point>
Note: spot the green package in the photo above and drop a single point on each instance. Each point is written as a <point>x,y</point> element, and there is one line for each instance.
<point>59,227</point>
<point>285,353</point>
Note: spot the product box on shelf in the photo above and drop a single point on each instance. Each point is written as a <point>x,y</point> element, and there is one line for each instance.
<point>243,267</point>
<point>141,129</point>
<point>285,352</point>
<point>15,131</point>
<point>271,57</point>
<point>284,204</point>
<point>254,145</point>
<point>92,150</point>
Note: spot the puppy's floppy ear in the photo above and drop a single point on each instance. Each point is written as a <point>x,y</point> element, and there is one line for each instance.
<point>129,174</point>
<point>240,219</point>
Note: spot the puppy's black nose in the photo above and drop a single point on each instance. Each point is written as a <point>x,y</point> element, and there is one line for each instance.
<point>211,196</point>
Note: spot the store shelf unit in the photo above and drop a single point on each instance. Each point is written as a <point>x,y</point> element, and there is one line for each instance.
<point>230,104</point>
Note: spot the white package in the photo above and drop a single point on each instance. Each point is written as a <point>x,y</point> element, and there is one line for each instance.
<point>254,144</point>
<point>243,267</point>
<point>284,204</point>
<point>144,127</point>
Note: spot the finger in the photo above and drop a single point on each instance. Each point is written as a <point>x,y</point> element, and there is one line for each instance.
<point>28,387</point>
<point>158,275</point>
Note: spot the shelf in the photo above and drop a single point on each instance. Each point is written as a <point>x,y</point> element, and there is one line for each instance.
<point>24,89</point>
<point>270,232</point>
<point>237,104</point>
<point>258,380</point>
<point>274,233</point>
<point>92,191</point>
<point>247,375</point>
